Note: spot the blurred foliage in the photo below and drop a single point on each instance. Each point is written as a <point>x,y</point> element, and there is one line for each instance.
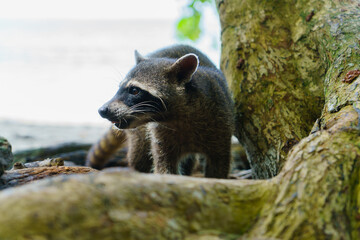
<point>188,27</point>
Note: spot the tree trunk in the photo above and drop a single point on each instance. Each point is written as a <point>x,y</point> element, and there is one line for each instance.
<point>279,58</point>
<point>271,60</point>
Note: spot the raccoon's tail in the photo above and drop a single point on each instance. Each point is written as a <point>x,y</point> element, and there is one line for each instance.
<point>108,145</point>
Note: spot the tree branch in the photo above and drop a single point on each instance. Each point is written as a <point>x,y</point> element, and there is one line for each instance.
<point>130,205</point>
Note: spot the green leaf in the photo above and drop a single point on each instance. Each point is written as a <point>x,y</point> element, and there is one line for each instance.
<point>189,27</point>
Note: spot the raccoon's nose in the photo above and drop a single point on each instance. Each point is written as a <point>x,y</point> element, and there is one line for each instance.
<point>104,111</point>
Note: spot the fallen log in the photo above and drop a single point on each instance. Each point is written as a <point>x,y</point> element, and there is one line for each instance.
<point>16,177</point>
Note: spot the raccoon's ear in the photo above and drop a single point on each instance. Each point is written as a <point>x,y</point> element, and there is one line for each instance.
<point>138,57</point>
<point>185,67</point>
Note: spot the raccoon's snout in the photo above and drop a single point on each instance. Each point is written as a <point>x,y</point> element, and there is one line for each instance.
<point>108,111</point>
<point>104,111</point>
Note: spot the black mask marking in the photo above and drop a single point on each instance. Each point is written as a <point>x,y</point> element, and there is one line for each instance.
<point>140,100</point>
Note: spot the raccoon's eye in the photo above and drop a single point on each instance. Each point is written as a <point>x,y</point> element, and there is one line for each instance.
<point>134,90</point>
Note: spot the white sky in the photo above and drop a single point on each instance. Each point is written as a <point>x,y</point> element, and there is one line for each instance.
<point>90,9</point>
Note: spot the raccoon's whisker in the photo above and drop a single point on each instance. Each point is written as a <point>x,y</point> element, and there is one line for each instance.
<point>141,112</point>
<point>149,107</point>
<point>163,103</point>
<point>156,110</point>
<point>145,102</point>
<point>142,108</point>
<point>119,76</point>
<point>161,100</point>
<point>138,104</point>
<point>153,105</point>
<point>142,104</point>
<point>136,117</point>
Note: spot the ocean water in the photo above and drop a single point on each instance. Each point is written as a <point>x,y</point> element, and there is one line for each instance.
<point>59,72</point>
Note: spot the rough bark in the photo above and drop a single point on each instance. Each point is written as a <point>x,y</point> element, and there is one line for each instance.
<point>273,66</point>
<point>130,206</point>
<point>316,193</point>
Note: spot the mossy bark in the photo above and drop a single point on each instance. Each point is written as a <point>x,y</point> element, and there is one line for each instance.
<point>273,66</point>
<point>291,51</point>
<point>129,205</point>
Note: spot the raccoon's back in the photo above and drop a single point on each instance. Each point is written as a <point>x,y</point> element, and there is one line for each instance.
<point>177,51</point>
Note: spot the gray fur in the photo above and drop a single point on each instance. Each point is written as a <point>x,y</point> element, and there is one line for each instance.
<point>197,117</point>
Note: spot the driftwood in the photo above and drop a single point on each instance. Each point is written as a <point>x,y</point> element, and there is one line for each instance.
<point>21,176</point>
<point>23,173</point>
<point>69,152</point>
<point>74,152</point>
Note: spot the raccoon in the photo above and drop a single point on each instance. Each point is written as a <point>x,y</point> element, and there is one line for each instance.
<point>173,104</point>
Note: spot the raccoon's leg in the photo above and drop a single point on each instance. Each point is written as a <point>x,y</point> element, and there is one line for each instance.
<point>164,166</point>
<point>218,166</point>
<point>187,164</point>
<point>101,152</point>
<point>139,155</point>
<point>218,161</point>
<point>166,157</point>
